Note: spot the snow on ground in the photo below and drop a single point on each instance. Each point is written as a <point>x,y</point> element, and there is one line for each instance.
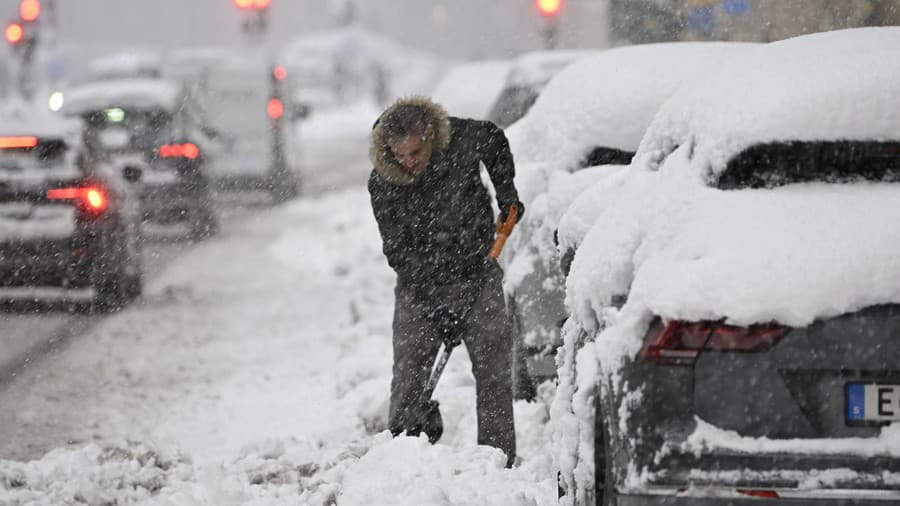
<point>255,370</point>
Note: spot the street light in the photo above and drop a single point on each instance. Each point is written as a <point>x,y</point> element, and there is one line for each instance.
<point>549,8</point>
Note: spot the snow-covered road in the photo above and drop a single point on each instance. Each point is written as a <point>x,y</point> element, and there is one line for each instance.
<point>255,370</point>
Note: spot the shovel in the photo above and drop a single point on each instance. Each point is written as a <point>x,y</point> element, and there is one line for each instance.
<point>430,420</point>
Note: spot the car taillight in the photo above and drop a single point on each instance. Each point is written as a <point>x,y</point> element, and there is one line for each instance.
<point>187,150</point>
<point>767,494</point>
<point>679,342</point>
<point>275,108</point>
<point>18,142</point>
<point>91,199</point>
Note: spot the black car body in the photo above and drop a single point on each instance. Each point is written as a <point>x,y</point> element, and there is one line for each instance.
<point>150,121</point>
<point>66,221</point>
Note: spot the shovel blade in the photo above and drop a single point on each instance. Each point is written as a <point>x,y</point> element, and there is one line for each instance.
<point>432,423</point>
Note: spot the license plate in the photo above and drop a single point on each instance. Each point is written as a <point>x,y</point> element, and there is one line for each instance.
<point>873,402</point>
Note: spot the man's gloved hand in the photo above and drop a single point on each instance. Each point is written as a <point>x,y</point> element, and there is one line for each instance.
<point>449,324</point>
<point>504,211</point>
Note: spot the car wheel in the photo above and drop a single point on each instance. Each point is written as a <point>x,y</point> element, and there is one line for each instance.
<point>111,284</point>
<point>205,225</point>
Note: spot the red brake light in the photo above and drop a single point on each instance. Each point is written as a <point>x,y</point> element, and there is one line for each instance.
<point>190,151</point>
<point>275,108</point>
<point>679,343</point>
<point>91,198</point>
<point>768,494</point>
<point>21,142</point>
<point>187,150</point>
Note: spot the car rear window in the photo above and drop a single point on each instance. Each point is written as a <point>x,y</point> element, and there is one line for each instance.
<point>146,128</point>
<point>777,164</point>
<point>607,156</point>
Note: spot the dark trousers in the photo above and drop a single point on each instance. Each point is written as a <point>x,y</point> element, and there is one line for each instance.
<point>488,337</point>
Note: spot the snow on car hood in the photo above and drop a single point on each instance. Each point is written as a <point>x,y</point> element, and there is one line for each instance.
<point>608,99</point>
<point>827,86</point>
<point>590,203</point>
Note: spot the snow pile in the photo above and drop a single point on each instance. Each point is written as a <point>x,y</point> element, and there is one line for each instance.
<point>470,89</point>
<point>579,217</point>
<point>831,86</point>
<point>94,474</point>
<point>608,99</point>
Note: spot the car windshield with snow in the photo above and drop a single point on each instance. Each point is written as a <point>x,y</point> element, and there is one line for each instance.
<point>582,131</point>
<point>152,122</point>
<point>756,353</point>
<point>66,221</point>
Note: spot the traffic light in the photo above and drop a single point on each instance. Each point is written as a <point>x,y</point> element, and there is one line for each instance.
<point>30,10</point>
<point>14,33</point>
<point>549,8</point>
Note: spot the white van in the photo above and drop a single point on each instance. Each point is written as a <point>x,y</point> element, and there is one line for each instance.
<point>245,108</point>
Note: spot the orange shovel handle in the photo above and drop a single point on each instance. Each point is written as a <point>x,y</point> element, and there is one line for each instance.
<point>504,229</point>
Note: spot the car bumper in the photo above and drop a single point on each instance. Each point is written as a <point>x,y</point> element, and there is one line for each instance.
<point>846,498</point>
<point>58,262</point>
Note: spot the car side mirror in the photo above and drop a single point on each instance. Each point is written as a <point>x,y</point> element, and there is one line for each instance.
<point>132,174</point>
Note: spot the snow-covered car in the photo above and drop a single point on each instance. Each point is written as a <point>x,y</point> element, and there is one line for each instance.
<point>245,102</point>
<point>66,220</point>
<point>592,114</point>
<point>755,241</point>
<point>526,79</point>
<point>152,121</point>
<point>470,89</point>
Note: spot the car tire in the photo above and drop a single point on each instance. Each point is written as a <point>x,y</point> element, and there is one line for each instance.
<point>205,225</point>
<point>118,279</point>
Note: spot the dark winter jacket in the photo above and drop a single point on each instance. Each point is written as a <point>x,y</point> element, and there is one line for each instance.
<point>438,228</point>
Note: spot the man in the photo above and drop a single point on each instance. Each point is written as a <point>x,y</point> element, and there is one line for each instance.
<point>437,227</point>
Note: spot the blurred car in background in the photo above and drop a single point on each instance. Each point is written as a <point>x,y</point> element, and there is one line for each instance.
<point>348,65</point>
<point>583,130</point>
<point>470,89</point>
<point>529,74</point>
<point>66,220</point>
<point>152,121</point>
<point>245,108</point>
<point>756,354</point>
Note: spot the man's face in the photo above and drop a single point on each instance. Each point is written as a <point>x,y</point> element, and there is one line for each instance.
<point>414,151</point>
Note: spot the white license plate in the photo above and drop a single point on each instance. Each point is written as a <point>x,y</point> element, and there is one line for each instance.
<point>873,402</point>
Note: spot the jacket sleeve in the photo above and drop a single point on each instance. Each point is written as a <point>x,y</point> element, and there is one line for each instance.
<point>498,159</point>
<point>396,245</point>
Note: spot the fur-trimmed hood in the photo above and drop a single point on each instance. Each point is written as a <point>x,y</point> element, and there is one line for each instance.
<point>383,160</point>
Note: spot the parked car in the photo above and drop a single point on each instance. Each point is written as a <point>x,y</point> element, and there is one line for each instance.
<point>66,220</point>
<point>529,74</point>
<point>246,104</point>
<point>584,128</point>
<point>152,121</point>
<point>755,245</point>
<point>470,89</point>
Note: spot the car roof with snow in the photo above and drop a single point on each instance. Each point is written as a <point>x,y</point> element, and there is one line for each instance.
<point>608,99</point>
<point>133,93</point>
<point>825,86</point>
<point>469,89</point>
<point>40,124</point>
<point>123,64</point>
